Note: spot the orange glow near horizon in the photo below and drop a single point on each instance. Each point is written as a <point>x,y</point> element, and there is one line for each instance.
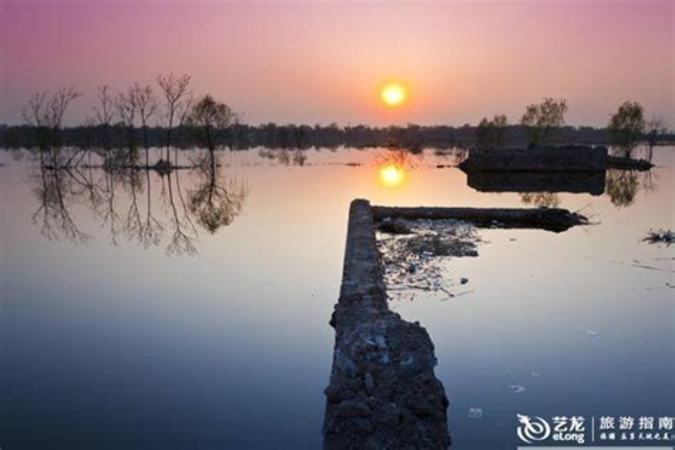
<point>392,175</point>
<point>294,70</point>
<point>393,94</point>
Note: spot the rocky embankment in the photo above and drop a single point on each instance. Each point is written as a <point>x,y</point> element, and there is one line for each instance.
<point>383,393</point>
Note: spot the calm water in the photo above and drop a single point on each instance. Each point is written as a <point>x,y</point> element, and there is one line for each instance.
<point>199,327</point>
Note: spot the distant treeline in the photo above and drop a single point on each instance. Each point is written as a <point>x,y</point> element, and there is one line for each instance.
<point>241,136</point>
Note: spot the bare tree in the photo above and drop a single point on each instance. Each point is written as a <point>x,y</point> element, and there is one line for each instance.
<point>173,89</point>
<point>125,102</point>
<point>56,111</point>
<point>653,128</point>
<point>58,104</point>
<point>183,113</point>
<point>34,116</point>
<point>543,118</point>
<point>46,112</point>
<point>88,123</point>
<point>104,113</point>
<point>146,104</point>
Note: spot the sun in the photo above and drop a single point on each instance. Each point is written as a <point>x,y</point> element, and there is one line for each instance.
<point>392,175</point>
<point>393,94</point>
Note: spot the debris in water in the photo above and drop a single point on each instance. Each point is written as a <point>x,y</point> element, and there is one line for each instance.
<point>517,388</point>
<point>644,266</point>
<point>592,334</point>
<point>475,413</point>
<point>659,237</point>
<point>414,261</point>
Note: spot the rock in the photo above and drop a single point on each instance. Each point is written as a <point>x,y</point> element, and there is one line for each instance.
<point>424,407</point>
<point>353,408</point>
<point>363,425</point>
<point>372,345</point>
<point>345,364</point>
<point>407,359</point>
<point>463,280</point>
<point>394,227</point>
<point>370,384</point>
<point>337,394</point>
<point>392,416</point>
<point>381,342</point>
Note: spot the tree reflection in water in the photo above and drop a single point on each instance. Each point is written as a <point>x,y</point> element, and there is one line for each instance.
<point>284,156</point>
<point>541,199</point>
<point>133,223</point>
<point>111,188</point>
<point>215,203</point>
<point>52,215</point>
<point>110,217</point>
<point>113,195</point>
<point>621,186</point>
<point>151,229</point>
<point>624,185</point>
<point>181,243</point>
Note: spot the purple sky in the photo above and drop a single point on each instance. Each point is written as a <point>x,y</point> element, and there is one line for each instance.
<point>322,61</point>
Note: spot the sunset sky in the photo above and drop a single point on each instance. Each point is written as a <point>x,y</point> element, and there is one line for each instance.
<point>323,61</point>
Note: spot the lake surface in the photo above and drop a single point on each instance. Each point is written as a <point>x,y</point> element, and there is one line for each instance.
<point>196,328</point>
